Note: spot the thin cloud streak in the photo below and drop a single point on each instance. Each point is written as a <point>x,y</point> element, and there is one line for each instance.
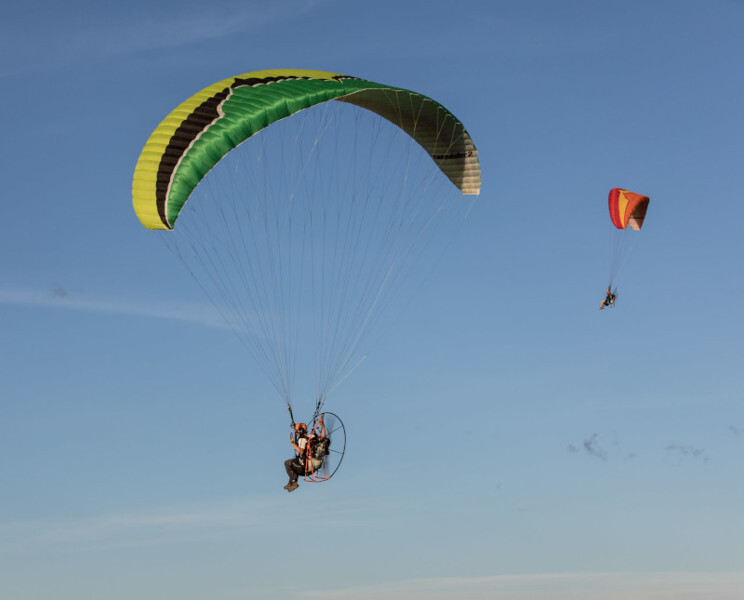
<point>591,447</point>
<point>199,26</point>
<point>176,523</point>
<point>552,586</point>
<point>60,298</point>
<point>97,35</point>
<point>688,451</point>
<point>135,529</point>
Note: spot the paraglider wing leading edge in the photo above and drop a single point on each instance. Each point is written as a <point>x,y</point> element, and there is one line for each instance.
<point>195,136</point>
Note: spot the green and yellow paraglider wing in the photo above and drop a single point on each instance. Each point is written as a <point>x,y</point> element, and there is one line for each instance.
<point>199,132</point>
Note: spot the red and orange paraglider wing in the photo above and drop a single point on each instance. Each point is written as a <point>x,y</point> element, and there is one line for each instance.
<point>627,209</point>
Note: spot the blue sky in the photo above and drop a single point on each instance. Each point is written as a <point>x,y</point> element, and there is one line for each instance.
<point>506,439</point>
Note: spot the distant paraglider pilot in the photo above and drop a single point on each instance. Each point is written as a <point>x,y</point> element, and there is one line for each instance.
<point>609,300</point>
<point>310,451</point>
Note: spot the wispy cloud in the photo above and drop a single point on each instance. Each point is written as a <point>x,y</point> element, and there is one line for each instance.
<point>146,528</point>
<point>168,524</point>
<point>193,24</point>
<point>241,517</point>
<point>688,451</point>
<point>73,33</point>
<point>60,298</point>
<point>551,586</point>
<point>591,447</point>
<point>596,446</point>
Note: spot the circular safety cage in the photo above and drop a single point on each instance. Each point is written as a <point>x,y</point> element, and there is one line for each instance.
<point>325,452</point>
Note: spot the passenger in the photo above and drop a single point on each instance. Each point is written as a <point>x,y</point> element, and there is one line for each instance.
<point>310,452</point>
